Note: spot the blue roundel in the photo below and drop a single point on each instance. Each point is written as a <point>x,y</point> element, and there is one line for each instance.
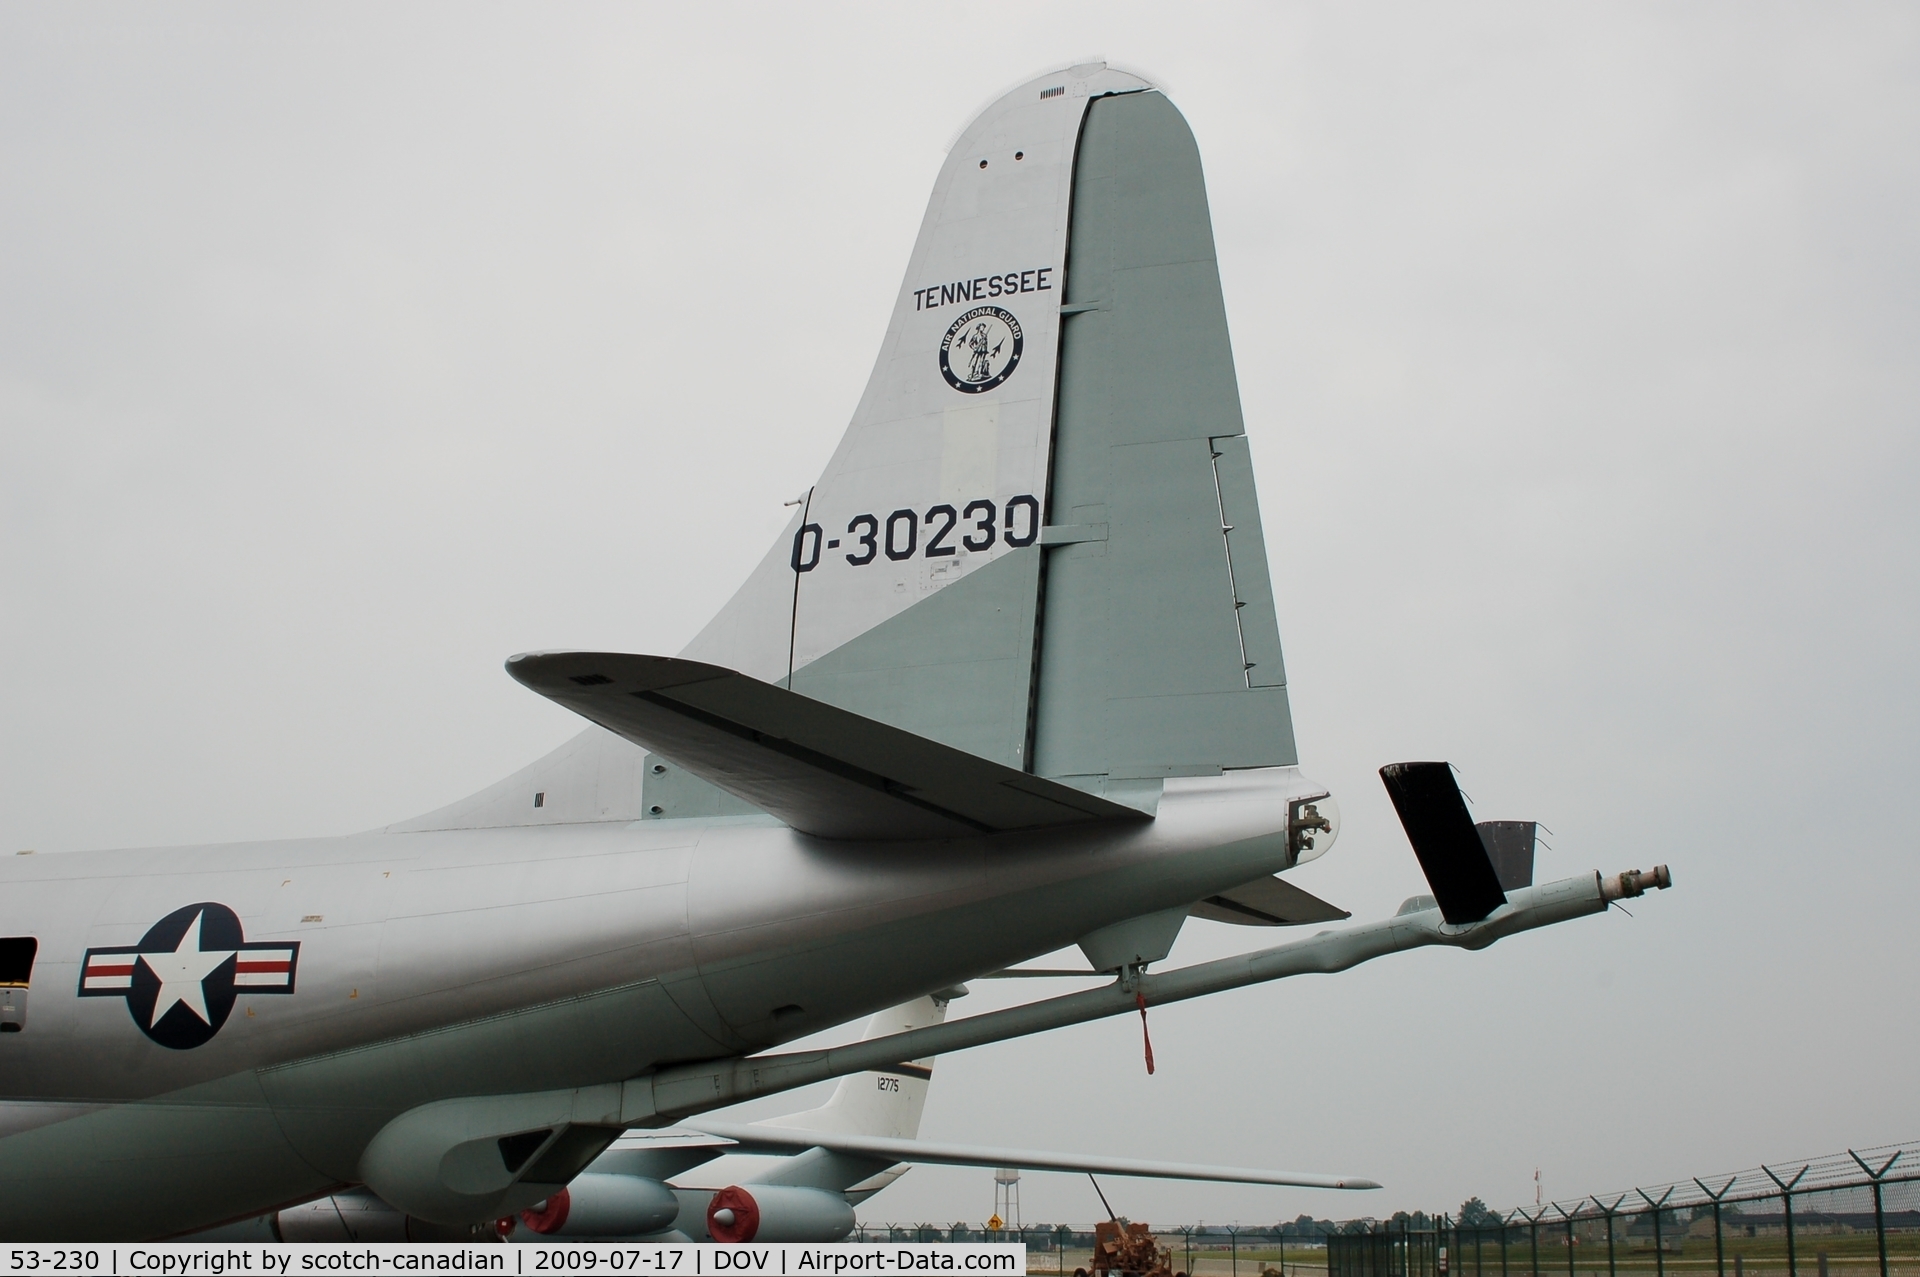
<point>181,981</point>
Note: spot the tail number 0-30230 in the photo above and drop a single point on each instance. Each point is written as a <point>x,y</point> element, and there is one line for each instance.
<point>978,525</point>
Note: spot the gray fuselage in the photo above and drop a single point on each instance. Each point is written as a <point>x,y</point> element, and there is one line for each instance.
<point>476,962</point>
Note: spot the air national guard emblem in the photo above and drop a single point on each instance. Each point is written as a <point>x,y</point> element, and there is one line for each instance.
<point>181,979</point>
<point>981,350</point>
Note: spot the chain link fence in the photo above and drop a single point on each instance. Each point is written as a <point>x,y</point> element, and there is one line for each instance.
<point>1852,1214</point>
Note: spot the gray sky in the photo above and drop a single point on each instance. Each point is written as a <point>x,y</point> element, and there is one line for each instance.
<point>345,351</point>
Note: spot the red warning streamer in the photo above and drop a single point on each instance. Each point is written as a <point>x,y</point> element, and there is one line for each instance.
<point>1140,1000</point>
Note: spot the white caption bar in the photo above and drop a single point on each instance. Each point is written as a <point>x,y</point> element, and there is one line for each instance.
<point>285,1259</point>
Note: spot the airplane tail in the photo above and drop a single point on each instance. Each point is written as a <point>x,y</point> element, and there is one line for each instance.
<point>1038,540</point>
<point>886,1103</point>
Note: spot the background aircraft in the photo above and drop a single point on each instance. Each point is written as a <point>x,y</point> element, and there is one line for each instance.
<point>1010,681</point>
<point>688,1184</point>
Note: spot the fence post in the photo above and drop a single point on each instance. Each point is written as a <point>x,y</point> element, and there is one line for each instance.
<point>1659,1250</point>
<point>1233,1244</point>
<point>1533,1223</point>
<point>1608,1211</point>
<point>1719,1244</point>
<point>1786,1201</point>
<point>1879,1214</point>
<point>1506,1223</point>
<point>1569,1221</point>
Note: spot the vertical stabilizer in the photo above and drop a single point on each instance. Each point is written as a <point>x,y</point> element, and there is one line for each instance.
<point>912,576</point>
<point>885,1102</point>
<point>1038,540</point>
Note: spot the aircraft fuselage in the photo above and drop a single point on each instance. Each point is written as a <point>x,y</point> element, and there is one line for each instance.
<point>382,971</point>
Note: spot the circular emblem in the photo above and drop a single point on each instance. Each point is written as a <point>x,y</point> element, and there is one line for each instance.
<point>180,982</point>
<point>981,350</point>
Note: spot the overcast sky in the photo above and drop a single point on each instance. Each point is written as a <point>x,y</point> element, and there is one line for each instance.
<point>346,350</point>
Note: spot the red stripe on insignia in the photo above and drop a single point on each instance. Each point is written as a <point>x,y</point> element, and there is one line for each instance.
<point>280,966</point>
<point>98,968</point>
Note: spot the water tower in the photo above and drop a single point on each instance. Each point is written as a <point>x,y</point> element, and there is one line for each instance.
<point>1006,1197</point>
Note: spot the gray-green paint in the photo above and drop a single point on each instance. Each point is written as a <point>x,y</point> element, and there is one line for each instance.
<point>669,791</point>
<point>955,667</point>
<point>1142,668</point>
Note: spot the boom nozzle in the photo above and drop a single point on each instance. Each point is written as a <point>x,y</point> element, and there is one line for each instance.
<point>1634,882</point>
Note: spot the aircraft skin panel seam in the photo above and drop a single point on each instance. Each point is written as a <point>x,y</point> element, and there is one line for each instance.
<point>459,1026</point>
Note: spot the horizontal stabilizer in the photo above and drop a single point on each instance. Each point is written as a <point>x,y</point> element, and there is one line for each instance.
<point>1267,902</point>
<point>760,1139</point>
<point>823,770</point>
<point>1452,856</point>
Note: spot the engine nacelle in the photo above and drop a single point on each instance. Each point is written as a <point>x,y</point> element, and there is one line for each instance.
<point>596,1205</point>
<point>778,1213</point>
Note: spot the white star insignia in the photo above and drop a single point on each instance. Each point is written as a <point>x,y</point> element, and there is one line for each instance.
<point>184,971</point>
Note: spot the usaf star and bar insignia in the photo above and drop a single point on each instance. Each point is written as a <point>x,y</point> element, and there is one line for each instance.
<point>181,980</point>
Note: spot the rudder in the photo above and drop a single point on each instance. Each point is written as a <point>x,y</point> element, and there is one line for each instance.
<point>1160,651</point>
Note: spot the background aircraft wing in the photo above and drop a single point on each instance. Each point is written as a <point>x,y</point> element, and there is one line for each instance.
<point>763,1139</point>
<point>821,769</point>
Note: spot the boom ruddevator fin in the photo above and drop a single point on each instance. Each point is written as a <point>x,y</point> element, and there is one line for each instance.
<point>1450,849</point>
<point>823,770</point>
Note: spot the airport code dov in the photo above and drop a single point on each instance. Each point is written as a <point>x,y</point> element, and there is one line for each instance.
<point>284,1259</point>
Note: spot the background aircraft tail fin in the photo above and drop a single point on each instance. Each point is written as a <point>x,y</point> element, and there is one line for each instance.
<point>885,1102</point>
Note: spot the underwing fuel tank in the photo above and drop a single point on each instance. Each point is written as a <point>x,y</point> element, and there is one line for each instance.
<point>777,1213</point>
<point>598,1205</point>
